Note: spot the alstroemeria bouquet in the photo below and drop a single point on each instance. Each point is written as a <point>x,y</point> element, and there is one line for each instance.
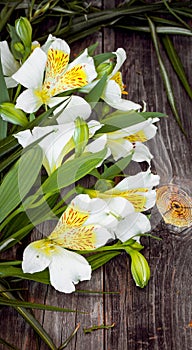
<point>62,120</point>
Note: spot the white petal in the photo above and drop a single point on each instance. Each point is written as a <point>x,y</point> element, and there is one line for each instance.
<point>119,148</point>
<point>59,44</point>
<point>112,96</point>
<point>132,225</point>
<point>67,269</point>
<point>97,145</point>
<point>9,64</point>
<point>102,236</point>
<point>28,101</point>
<point>141,153</point>
<point>56,43</point>
<point>119,206</point>
<point>54,143</point>
<point>93,126</point>
<point>75,107</point>
<point>10,82</point>
<point>31,72</point>
<point>120,57</point>
<point>25,138</point>
<point>146,126</point>
<point>54,101</point>
<point>143,179</point>
<point>97,209</point>
<point>35,258</point>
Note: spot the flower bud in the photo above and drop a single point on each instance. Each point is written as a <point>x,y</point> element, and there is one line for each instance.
<point>139,268</point>
<point>80,136</point>
<point>24,31</point>
<point>13,115</point>
<point>104,68</point>
<point>19,48</point>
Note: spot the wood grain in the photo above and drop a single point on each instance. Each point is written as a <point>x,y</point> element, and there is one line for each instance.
<point>159,316</point>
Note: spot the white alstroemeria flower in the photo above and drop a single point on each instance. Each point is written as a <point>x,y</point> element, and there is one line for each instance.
<point>123,141</point>
<point>136,189</point>
<point>131,226</point>
<point>79,228</point>
<point>57,141</point>
<point>60,75</point>
<point>54,143</point>
<point>114,88</point>
<point>9,64</point>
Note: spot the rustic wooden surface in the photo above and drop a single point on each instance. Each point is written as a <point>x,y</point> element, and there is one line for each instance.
<point>158,317</point>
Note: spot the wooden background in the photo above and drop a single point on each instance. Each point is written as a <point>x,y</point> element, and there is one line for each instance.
<point>158,317</point>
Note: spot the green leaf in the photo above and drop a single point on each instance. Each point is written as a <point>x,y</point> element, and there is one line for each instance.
<point>101,258</point>
<point>152,115</point>
<point>165,76</point>
<point>94,95</point>
<point>4,97</point>
<point>19,180</point>
<point>72,170</point>
<point>12,271</point>
<point>120,120</point>
<point>117,168</point>
<point>8,345</point>
<point>28,305</point>
<point>176,63</point>
<point>102,57</point>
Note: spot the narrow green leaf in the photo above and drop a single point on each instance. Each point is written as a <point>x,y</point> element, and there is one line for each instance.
<point>171,10</point>
<point>101,258</point>
<point>117,168</point>
<point>165,76</point>
<point>29,318</point>
<point>176,63</point>
<point>159,29</point>
<point>67,341</point>
<point>28,305</point>
<point>72,170</point>
<point>152,115</point>
<point>8,345</point>
<point>4,97</point>
<point>120,119</point>
<point>19,180</point>
<point>102,57</point>
<point>94,95</point>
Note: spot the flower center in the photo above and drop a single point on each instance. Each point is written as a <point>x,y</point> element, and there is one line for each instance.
<point>43,96</point>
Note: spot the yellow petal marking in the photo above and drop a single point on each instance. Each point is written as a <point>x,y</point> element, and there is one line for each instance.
<point>70,232</point>
<point>44,245</point>
<point>133,196</point>
<point>74,78</point>
<point>56,65</point>
<point>138,136</point>
<point>118,79</point>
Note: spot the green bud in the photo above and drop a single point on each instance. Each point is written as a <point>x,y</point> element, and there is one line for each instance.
<point>80,136</point>
<point>103,68</point>
<point>19,47</point>
<point>13,115</point>
<point>139,268</point>
<point>24,31</point>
